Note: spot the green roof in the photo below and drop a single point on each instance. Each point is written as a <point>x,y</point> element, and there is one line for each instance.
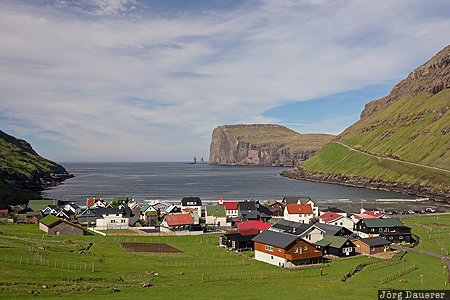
<point>123,198</point>
<point>144,208</point>
<point>33,213</point>
<point>332,241</point>
<point>306,199</point>
<point>41,204</point>
<point>270,202</point>
<point>387,222</point>
<point>217,211</point>
<point>49,220</point>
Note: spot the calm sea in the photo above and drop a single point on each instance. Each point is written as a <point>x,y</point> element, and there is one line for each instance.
<point>170,181</point>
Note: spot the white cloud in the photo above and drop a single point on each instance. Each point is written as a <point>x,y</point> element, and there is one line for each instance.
<point>76,75</point>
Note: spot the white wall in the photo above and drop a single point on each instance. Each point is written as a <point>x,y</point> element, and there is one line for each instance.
<point>270,259</point>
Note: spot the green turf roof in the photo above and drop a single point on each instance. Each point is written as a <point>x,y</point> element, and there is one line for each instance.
<point>49,220</point>
<point>306,199</point>
<point>123,198</point>
<point>41,204</point>
<point>217,211</point>
<point>332,241</point>
<point>387,222</point>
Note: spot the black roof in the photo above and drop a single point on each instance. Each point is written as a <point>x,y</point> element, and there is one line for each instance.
<point>191,201</point>
<point>239,237</point>
<point>277,239</point>
<point>375,241</point>
<point>291,226</point>
<point>334,209</point>
<point>247,205</point>
<point>125,211</point>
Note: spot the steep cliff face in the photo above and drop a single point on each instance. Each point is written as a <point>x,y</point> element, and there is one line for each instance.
<point>262,144</point>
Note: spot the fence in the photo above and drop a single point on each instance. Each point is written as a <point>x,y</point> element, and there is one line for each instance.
<point>192,263</point>
<point>397,274</point>
<point>386,263</point>
<point>40,261</point>
<point>261,275</point>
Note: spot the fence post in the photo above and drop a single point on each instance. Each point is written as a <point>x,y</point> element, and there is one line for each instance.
<point>93,269</point>
<point>203,277</point>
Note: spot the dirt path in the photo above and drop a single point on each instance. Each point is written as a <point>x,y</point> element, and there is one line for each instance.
<point>393,159</point>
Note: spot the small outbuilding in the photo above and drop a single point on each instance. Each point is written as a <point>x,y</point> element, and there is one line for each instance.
<point>56,226</point>
<point>372,245</point>
<point>336,245</point>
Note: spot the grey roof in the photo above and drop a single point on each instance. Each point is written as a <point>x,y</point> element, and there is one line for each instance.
<point>375,241</point>
<point>291,226</point>
<point>247,205</point>
<point>239,237</point>
<point>329,229</point>
<point>125,211</point>
<point>277,239</point>
<point>334,209</point>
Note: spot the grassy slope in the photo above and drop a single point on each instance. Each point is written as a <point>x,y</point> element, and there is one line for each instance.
<point>116,268</point>
<point>337,159</point>
<point>17,156</point>
<point>279,135</point>
<point>412,129</point>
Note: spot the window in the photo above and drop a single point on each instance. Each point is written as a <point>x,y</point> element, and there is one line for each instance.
<point>400,237</point>
<point>269,248</point>
<point>373,229</point>
<point>113,221</point>
<point>271,257</point>
<point>305,248</point>
<point>381,229</point>
<point>117,215</point>
<point>279,249</point>
<point>295,250</point>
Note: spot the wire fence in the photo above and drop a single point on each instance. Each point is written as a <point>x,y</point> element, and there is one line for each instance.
<point>386,263</point>
<point>38,260</point>
<point>193,263</point>
<point>240,276</point>
<point>397,274</point>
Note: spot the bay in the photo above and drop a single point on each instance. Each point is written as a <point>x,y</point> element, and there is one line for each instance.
<point>171,181</point>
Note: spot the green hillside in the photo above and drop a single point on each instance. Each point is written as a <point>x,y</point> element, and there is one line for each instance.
<point>411,124</point>
<point>23,172</point>
<point>414,129</point>
<point>274,134</point>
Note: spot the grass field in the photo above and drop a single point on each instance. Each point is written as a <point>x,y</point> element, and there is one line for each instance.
<point>30,260</point>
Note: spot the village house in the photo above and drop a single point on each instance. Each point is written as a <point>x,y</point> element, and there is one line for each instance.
<point>216,216</point>
<point>36,205</point>
<point>254,224</point>
<point>337,219</point>
<point>252,210</point>
<point>367,214</point>
<point>112,218</point>
<point>238,241</point>
<point>371,245</point>
<point>275,207</point>
<point>56,226</point>
<point>194,214</point>
<point>51,209</point>
<point>303,200</point>
<point>3,214</point>
<point>95,202</point>
<point>333,210</point>
<point>392,229</point>
<point>284,249</point>
<point>231,207</point>
<point>87,217</point>
<point>177,223</point>
<point>72,207</point>
<point>34,216</point>
<point>192,202</point>
<point>308,232</point>
<point>302,213</point>
<point>335,230</point>
<point>336,245</point>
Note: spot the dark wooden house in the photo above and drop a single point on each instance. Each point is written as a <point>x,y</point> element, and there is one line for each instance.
<point>392,229</point>
<point>336,245</point>
<point>237,241</point>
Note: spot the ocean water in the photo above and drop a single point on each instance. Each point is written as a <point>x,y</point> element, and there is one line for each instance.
<point>171,181</point>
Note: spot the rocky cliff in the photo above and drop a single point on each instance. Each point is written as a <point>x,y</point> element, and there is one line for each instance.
<point>22,170</point>
<point>262,144</point>
<point>411,124</point>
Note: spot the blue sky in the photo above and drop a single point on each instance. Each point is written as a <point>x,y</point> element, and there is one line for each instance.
<point>130,80</point>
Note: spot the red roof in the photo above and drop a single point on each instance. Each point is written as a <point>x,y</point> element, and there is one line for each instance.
<point>258,224</point>
<point>3,210</point>
<point>330,216</point>
<point>91,201</point>
<point>220,198</point>
<point>230,205</point>
<point>299,208</point>
<point>244,231</point>
<point>183,219</point>
<point>369,215</point>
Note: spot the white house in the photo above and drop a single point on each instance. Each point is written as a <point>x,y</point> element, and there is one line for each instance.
<point>112,218</point>
<point>192,202</point>
<point>302,213</point>
<point>336,219</point>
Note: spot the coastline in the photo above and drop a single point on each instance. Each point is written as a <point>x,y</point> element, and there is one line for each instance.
<point>368,183</point>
